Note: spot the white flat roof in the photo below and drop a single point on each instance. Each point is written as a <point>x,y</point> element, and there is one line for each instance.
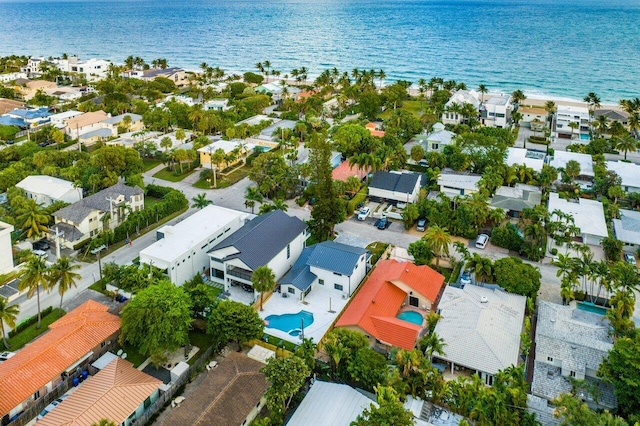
<point>531,159</point>
<point>47,185</point>
<point>453,180</point>
<point>627,228</point>
<point>65,115</point>
<point>561,158</point>
<point>226,146</point>
<point>628,172</point>
<point>588,215</point>
<point>183,236</point>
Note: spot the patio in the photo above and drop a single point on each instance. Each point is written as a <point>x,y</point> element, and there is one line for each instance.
<point>237,294</point>
<point>317,302</point>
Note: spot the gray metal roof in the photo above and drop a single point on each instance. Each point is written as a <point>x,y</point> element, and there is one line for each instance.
<point>300,274</point>
<point>102,133</point>
<point>76,212</point>
<point>69,232</point>
<point>627,228</point>
<point>263,238</point>
<point>398,182</point>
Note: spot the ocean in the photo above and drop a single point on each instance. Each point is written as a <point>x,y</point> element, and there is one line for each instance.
<point>545,47</point>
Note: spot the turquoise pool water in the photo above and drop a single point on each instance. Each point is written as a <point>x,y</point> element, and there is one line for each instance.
<point>584,137</point>
<point>290,323</point>
<point>590,307</point>
<point>411,316</point>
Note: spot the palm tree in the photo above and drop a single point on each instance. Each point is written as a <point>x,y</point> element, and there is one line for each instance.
<point>482,89</point>
<point>200,201</point>
<point>381,77</point>
<point>432,343</point>
<point>252,196</point>
<point>482,267</point>
<point>626,143</point>
<point>593,101</point>
<point>438,240</point>
<point>61,273</point>
<point>518,96</point>
<point>32,219</point>
<point>166,143</point>
<point>34,275</point>
<point>8,315</point>
<point>550,107</point>
<point>572,169</point>
<point>263,279</point>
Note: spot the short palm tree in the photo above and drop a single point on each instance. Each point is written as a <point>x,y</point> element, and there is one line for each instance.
<point>438,240</point>
<point>432,343</point>
<point>625,144</point>
<point>61,273</point>
<point>263,279</point>
<point>8,315</point>
<point>200,201</point>
<point>34,275</point>
<point>252,196</point>
<point>32,219</point>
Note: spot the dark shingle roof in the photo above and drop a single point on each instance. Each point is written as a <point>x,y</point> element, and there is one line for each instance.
<point>76,212</point>
<point>398,182</point>
<point>263,238</point>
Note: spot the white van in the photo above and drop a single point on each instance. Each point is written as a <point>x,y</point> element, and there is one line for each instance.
<point>482,241</point>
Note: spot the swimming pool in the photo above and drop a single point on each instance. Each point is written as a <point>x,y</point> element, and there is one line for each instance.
<point>411,316</point>
<point>590,307</point>
<point>584,137</point>
<point>290,323</point>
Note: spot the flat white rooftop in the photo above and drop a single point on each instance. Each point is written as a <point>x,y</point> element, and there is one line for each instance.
<point>520,156</point>
<point>588,215</point>
<point>628,172</point>
<point>190,233</point>
<point>561,158</point>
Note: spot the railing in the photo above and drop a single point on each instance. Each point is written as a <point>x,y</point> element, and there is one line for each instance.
<point>239,273</point>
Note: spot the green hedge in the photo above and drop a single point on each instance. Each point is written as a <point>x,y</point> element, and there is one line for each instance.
<point>357,199</point>
<point>29,321</point>
<point>538,139</point>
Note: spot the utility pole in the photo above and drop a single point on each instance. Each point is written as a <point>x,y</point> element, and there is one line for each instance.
<point>97,251</point>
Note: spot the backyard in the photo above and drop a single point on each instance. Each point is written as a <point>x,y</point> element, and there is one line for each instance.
<point>413,107</point>
<point>168,174</point>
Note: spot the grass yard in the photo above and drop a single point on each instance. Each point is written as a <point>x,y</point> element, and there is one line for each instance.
<point>171,176</point>
<point>28,334</point>
<point>150,201</point>
<point>376,249</point>
<point>273,340</point>
<point>224,181</point>
<point>412,106</point>
<point>150,163</point>
<point>133,356</point>
<point>200,339</point>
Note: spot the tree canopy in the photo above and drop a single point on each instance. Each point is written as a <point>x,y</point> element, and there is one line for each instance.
<point>235,321</point>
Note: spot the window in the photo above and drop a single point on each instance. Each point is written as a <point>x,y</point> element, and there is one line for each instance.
<point>550,359</point>
<point>414,301</point>
<point>338,287</point>
<point>572,373</point>
<point>36,395</point>
<point>321,281</point>
<point>291,290</point>
<point>102,344</point>
<point>288,251</point>
<point>337,273</point>
<point>435,146</point>
<point>147,402</point>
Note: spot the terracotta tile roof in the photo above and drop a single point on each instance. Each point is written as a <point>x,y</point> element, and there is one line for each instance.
<point>85,119</point>
<point>225,397</point>
<point>376,305</point>
<point>346,170</point>
<point>69,339</point>
<point>114,393</point>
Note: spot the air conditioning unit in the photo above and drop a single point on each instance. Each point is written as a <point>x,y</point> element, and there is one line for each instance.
<point>484,299</point>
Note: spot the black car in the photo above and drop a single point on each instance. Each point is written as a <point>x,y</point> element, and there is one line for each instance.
<point>41,245</point>
<point>382,223</point>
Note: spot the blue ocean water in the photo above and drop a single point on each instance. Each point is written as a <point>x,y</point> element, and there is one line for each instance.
<point>554,47</point>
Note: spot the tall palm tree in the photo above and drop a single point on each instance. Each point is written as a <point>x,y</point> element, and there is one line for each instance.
<point>8,315</point>
<point>438,240</point>
<point>482,267</point>
<point>34,275</point>
<point>625,144</point>
<point>518,96</point>
<point>482,89</point>
<point>32,219</point>
<point>550,107</point>
<point>200,201</point>
<point>381,77</point>
<point>252,196</point>
<point>263,279</point>
<point>61,273</point>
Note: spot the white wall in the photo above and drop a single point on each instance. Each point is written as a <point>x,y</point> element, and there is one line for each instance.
<point>393,195</point>
<point>6,255</point>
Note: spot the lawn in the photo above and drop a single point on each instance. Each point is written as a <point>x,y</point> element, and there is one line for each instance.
<point>150,201</point>
<point>133,356</point>
<point>224,181</point>
<point>273,340</point>
<point>200,339</point>
<point>412,106</point>
<point>150,163</point>
<point>28,334</point>
<point>171,176</point>
<point>376,249</point>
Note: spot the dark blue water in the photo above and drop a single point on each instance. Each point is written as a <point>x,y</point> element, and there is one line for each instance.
<point>557,47</point>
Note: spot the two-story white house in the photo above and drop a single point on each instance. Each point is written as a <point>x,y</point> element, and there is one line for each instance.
<point>396,186</point>
<point>87,122</point>
<point>88,217</point>
<point>334,266</point>
<point>274,239</point>
<point>461,97</point>
<point>6,253</point>
<point>579,116</point>
<point>112,123</point>
<point>496,112</point>
<point>454,184</point>
<point>181,249</point>
<point>46,190</point>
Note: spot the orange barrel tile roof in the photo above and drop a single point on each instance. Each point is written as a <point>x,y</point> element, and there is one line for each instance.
<point>68,340</point>
<point>346,170</point>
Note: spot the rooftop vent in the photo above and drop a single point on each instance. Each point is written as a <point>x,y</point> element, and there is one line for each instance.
<point>484,299</point>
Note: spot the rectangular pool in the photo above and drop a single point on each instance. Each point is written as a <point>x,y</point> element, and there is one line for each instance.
<point>590,307</point>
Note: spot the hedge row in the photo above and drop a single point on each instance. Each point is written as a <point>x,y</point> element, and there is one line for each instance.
<point>29,321</point>
<point>357,199</point>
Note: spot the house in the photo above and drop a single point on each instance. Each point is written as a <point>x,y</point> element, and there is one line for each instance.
<point>345,170</point>
<point>571,343</point>
<point>239,145</point>
<point>33,66</point>
<point>496,112</point>
<point>568,116</point>
<point>438,138</point>
<point>588,215</point>
<point>69,345</point>
<point>375,129</point>
<point>460,98</point>
<point>426,413</point>
<point>216,105</point>
<point>627,229</point>
<point>525,157</point>
<point>628,172</point>
<point>46,190</point>
<point>6,248</point>
<point>515,200</point>
<point>112,123</point>
<point>335,266</point>
<point>612,115</point>
<point>105,209</point>
<point>7,105</point>
<point>84,123</point>
<point>530,114</point>
<point>330,404</point>
<point>561,158</point>
<point>454,184</point>
<point>12,76</point>
<point>92,69</point>
<point>389,307</point>
<point>118,392</point>
<point>481,329</point>
<point>59,119</point>
<point>93,136</point>
<point>396,186</point>
<point>181,249</point>
<point>232,394</point>
<point>175,74</point>
<point>277,92</point>
<point>274,239</point>
<point>29,117</point>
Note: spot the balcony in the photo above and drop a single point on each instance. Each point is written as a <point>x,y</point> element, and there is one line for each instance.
<point>241,273</point>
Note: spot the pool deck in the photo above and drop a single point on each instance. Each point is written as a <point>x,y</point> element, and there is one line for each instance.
<point>316,302</point>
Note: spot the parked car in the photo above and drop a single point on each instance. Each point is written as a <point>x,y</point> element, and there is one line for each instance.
<point>51,406</point>
<point>482,240</point>
<point>364,213</point>
<point>465,278</point>
<point>422,223</point>
<point>41,253</point>
<point>6,355</point>
<point>630,258</point>
<point>383,223</point>
<point>42,245</point>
